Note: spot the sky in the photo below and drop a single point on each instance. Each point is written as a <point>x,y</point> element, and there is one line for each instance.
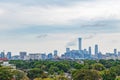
<point>42,26</point>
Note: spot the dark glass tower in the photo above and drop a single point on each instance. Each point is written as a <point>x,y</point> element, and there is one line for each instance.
<point>96,49</point>
<point>80,43</point>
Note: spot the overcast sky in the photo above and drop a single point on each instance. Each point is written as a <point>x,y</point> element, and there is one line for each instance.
<point>47,25</point>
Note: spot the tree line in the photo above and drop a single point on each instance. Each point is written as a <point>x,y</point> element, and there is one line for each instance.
<point>62,70</point>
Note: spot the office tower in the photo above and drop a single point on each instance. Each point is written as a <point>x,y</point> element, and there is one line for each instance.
<point>2,55</point>
<point>115,52</point>
<point>22,55</point>
<point>119,53</point>
<point>90,51</point>
<point>67,50</point>
<point>50,56</point>
<point>96,49</point>
<point>55,53</point>
<point>8,55</point>
<point>43,56</point>
<point>80,43</point>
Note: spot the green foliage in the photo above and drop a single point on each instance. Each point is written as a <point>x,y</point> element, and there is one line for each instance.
<point>37,68</point>
<point>5,73</point>
<point>115,69</point>
<point>108,75</point>
<point>84,74</point>
<point>19,75</point>
<point>98,66</point>
<point>34,73</point>
<point>117,78</point>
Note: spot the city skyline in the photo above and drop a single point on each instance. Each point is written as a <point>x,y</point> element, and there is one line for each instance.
<point>45,26</point>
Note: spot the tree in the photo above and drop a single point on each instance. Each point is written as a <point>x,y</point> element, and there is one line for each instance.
<point>5,73</point>
<point>115,69</point>
<point>98,66</point>
<point>84,74</point>
<point>108,75</point>
<point>19,75</point>
<point>53,69</point>
<point>34,73</point>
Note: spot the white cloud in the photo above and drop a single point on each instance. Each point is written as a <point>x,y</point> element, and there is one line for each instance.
<point>17,15</point>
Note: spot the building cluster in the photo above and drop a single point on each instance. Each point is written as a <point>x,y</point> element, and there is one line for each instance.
<point>69,54</point>
<point>88,54</point>
<point>30,56</point>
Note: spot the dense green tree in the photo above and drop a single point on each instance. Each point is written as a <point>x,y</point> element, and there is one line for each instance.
<point>108,75</point>
<point>34,73</point>
<point>84,74</point>
<point>115,69</point>
<point>5,73</point>
<point>19,75</point>
<point>53,70</point>
<point>98,66</point>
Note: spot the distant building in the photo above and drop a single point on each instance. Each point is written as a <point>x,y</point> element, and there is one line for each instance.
<point>96,50</point>
<point>115,52</point>
<point>5,63</point>
<point>50,56</point>
<point>16,57</point>
<point>67,50</point>
<point>2,55</point>
<point>9,56</point>
<point>3,59</point>
<point>90,52</point>
<point>118,53</point>
<point>43,56</point>
<point>22,55</point>
<point>55,53</point>
<point>35,56</point>
<point>80,43</point>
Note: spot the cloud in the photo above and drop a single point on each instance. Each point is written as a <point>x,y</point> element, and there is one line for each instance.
<point>90,36</point>
<point>42,36</point>
<point>45,2</point>
<point>16,15</point>
<point>71,43</point>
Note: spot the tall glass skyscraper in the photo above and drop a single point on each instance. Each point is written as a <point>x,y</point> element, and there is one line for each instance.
<point>80,43</point>
<point>96,49</point>
<point>90,51</point>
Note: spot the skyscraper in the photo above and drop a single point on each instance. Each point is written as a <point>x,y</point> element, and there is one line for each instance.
<point>96,49</point>
<point>80,43</point>
<point>90,51</point>
<point>67,50</point>
<point>115,52</point>
<point>55,53</point>
<point>22,55</point>
<point>2,54</point>
<point>9,55</point>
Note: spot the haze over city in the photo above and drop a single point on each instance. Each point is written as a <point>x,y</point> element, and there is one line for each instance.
<point>44,26</point>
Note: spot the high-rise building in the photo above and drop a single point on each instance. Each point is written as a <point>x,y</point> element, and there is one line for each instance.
<point>67,50</point>
<point>2,54</point>
<point>115,52</point>
<point>90,51</point>
<point>49,56</point>
<point>8,55</point>
<point>55,53</point>
<point>119,53</point>
<point>43,56</point>
<point>96,49</point>
<point>80,43</point>
<point>22,55</point>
